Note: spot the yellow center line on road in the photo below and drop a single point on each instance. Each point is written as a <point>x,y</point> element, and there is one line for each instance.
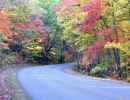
<point>85,88</point>
<point>92,90</point>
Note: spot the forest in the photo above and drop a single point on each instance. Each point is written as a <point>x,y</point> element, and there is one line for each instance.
<point>93,34</point>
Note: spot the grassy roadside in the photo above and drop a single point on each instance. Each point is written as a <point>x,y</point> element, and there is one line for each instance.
<point>19,93</point>
<point>10,89</point>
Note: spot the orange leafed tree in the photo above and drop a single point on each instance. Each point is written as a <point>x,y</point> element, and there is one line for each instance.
<point>5,27</point>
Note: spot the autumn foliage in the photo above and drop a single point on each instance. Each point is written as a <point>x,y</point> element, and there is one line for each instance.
<point>5,26</point>
<point>94,33</point>
<point>99,30</point>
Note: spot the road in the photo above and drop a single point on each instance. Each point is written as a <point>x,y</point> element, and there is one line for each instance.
<point>51,83</point>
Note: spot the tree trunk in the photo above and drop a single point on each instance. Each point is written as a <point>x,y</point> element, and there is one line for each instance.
<point>64,47</point>
<point>46,59</point>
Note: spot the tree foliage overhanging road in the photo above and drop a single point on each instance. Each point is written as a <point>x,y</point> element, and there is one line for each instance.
<point>94,33</point>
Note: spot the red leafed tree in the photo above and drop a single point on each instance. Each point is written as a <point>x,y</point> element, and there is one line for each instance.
<point>40,28</point>
<point>94,9</point>
<point>104,32</point>
<point>34,24</point>
<point>5,27</point>
<point>95,51</point>
<point>20,25</point>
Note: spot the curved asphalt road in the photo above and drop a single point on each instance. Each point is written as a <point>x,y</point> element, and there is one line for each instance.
<point>51,83</point>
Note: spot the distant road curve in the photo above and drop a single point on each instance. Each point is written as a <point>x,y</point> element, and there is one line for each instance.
<point>49,82</point>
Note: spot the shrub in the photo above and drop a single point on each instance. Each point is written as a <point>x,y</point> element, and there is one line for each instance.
<point>7,60</point>
<point>95,70</point>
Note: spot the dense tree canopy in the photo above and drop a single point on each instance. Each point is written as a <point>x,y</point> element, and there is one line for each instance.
<point>94,33</point>
<point>100,29</point>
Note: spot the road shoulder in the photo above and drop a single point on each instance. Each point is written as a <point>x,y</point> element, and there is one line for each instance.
<point>10,89</point>
<point>71,70</point>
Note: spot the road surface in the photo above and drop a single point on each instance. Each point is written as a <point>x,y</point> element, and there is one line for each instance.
<point>51,83</point>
